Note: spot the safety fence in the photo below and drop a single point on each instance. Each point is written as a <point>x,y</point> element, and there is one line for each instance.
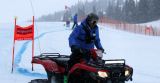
<point>134,28</point>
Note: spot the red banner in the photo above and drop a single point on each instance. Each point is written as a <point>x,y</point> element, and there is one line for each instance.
<point>24,33</point>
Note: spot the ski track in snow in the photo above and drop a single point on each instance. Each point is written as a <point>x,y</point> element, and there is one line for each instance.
<point>18,58</point>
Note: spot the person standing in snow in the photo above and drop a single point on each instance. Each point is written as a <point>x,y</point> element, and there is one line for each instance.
<point>68,22</point>
<point>84,38</point>
<point>75,21</point>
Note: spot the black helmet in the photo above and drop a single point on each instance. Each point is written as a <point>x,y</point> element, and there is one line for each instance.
<point>92,16</point>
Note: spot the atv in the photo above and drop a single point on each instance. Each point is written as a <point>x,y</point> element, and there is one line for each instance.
<point>96,70</point>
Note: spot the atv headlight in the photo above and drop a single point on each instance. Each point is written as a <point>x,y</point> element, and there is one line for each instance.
<point>102,74</point>
<point>127,72</point>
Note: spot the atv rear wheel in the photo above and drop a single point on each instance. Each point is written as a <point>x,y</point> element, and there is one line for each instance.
<point>77,79</point>
<point>55,79</point>
<point>39,81</point>
<point>109,81</point>
<point>118,81</point>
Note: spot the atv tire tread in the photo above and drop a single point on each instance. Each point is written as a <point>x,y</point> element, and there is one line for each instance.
<point>39,81</point>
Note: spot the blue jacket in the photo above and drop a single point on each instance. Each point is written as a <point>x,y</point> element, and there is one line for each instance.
<point>75,18</point>
<point>78,35</point>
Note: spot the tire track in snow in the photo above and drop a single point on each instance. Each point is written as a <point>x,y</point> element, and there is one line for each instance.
<point>18,58</point>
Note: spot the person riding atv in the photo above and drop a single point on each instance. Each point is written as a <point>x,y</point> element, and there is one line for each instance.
<point>83,38</point>
<point>85,63</point>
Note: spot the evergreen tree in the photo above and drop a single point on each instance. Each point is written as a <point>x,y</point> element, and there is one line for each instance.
<point>117,10</point>
<point>94,9</point>
<point>126,10</point>
<point>151,10</point>
<point>143,10</point>
<point>109,10</point>
<point>156,9</point>
<point>130,10</point>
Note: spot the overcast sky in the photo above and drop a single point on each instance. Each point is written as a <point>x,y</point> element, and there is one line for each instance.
<point>23,9</point>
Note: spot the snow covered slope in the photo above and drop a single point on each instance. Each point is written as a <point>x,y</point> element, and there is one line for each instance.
<point>141,52</point>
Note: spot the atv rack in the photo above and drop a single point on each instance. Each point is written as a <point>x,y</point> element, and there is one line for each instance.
<point>115,61</point>
<point>51,55</point>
